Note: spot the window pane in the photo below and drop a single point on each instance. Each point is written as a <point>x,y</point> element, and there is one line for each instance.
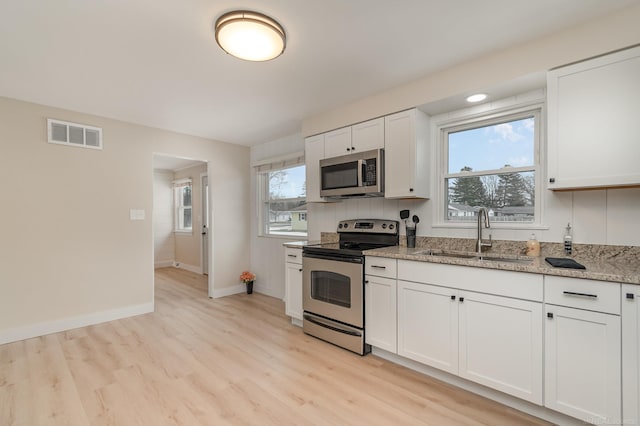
<point>186,196</point>
<point>493,147</point>
<point>285,202</point>
<point>510,197</point>
<point>187,218</point>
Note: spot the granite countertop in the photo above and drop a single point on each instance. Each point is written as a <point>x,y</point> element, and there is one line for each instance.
<point>296,244</point>
<point>623,270</point>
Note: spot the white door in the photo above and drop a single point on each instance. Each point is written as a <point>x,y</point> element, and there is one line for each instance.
<point>428,325</point>
<point>380,312</point>
<point>582,364</point>
<point>205,224</point>
<point>501,344</point>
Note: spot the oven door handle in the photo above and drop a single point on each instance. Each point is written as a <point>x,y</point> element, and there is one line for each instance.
<point>333,326</point>
<point>350,259</point>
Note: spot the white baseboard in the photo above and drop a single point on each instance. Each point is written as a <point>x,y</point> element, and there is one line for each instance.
<point>163,264</point>
<point>49,327</point>
<point>190,268</point>
<point>228,291</point>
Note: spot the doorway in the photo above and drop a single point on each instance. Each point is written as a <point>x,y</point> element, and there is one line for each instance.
<point>181,215</point>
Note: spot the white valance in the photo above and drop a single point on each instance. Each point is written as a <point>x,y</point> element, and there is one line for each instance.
<point>179,183</point>
<point>279,163</point>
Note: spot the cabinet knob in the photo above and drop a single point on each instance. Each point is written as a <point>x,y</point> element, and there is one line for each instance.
<point>353,148</point>
<point>366,281</point>
<point>453,297</point>
<point>630,296</point>
<point>461,299</point>
<point>348,149</point>
<point>550,315</point>
<point>410,189</point>
<point>300,270</point>
<point>552,180</point>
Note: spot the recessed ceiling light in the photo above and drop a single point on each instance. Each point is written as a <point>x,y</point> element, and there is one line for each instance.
<point>251,36</point>
<point>478,97</point>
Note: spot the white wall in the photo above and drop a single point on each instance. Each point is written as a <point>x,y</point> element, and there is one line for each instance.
<point>164,252</point>
<point>69,253</point>
<point>267,253</point>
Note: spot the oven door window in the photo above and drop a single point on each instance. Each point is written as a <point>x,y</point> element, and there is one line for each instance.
<point>331,288</point>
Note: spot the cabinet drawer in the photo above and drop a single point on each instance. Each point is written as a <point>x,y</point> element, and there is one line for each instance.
<point>293,255</point>
<point>578,293</point>
<point>380,266</point>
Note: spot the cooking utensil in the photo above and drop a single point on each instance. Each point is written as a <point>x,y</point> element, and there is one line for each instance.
<point>404,214</point>
<point>416,219</point>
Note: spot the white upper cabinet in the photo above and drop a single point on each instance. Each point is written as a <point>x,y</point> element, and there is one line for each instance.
<point>406,155</point>
<point>337,142</point>
<point>593,123</point>
<point>368,135</point>
<point>313,153</point>
<point>357,138</point>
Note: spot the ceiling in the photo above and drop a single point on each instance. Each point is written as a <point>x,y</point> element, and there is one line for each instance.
<point>155,62</point>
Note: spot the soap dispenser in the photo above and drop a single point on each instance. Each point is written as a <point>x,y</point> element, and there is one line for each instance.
<point>568,241</point>
<point>533,246</point>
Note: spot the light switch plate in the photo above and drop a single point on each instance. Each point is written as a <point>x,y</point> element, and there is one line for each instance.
<point>136,214</point>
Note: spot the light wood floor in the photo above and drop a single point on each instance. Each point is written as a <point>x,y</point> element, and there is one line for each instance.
<point>235,360</point>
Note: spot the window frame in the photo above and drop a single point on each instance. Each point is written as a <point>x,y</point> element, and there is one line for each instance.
<point>468,119</point>
<point>179,206</point>
<point>262,194</point>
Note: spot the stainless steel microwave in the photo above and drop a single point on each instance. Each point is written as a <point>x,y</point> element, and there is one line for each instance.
<point>353,175</point>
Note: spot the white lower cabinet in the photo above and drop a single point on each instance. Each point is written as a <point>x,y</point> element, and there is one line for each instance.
<point>492,340</point>
<point>630,354</point>
<point>428,325</point>
<point>380,312</point>
<point>582,364</point>
<point>293,284</point>
<point>500,344</point>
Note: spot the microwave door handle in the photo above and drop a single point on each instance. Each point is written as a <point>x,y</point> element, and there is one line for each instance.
<point>361,172</point>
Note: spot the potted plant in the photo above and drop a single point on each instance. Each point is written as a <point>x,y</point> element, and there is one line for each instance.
<point>248,278</point>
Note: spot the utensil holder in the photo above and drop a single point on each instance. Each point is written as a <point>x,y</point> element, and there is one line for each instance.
<point>411,237</point>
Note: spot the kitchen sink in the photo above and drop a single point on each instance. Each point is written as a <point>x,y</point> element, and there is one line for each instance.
<point>474,256</point>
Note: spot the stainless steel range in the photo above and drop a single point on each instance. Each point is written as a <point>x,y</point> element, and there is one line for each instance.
<point>333,282</point>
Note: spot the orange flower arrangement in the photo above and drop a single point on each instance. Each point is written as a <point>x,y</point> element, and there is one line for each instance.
<point>247,276</point>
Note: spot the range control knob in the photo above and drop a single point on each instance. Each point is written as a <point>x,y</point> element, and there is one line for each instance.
<point>384,226</point>
<point>340,226</point>
<point>391,226</point>
<point>346,225</point>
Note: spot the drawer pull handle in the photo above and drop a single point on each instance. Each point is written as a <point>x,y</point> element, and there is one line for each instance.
<point>630,296</point>
<point>378,267</point>
<point>572,293</point>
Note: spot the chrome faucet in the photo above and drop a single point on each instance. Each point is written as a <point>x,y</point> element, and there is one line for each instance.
<point>480,243</point>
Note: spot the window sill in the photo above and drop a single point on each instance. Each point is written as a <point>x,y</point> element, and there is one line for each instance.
<point>291,237</point>
<point>190,232</point>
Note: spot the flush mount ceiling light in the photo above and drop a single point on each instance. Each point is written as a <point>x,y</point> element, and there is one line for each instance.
<point>251,36</point>
<point>478,97</point>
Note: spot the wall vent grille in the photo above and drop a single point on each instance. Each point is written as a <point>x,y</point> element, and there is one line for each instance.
<point>73,134</point>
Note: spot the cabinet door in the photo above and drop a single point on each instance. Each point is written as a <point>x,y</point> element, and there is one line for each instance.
<point>293,290</point>
<point>630,353</point>
<point>501,344</point>
<point>368,135</point>
<point>337,142</point>
<point>593,122</point>
<point>313,153</point>
<point>380,312</point>
<point>582,364</point>
<point>406,155</point>
<point>428,325</point>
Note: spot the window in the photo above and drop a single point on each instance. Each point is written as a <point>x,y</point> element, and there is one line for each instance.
<point>493,163</point>
<point>283,208</point>
<point>183,207</point>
